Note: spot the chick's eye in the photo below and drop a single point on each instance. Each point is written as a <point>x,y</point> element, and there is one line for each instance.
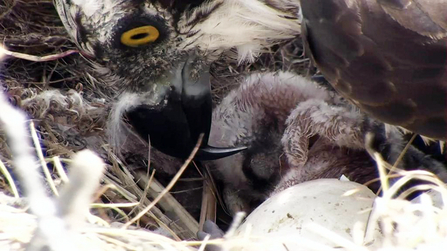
<point>140,36</point>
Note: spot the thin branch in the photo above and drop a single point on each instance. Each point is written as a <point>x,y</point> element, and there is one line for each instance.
<point>169,186</point>
<point>35,58</point>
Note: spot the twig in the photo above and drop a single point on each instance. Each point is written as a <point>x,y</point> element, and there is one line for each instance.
<point>50,233</point>
<point>10,180</point>
<point>60,169</point>
<point>169,186</point>
<point>146,187</point>
<point>208,208</point>
<point>156,214</point>
<point>169,204</point>
<point>404,151</point>
<point>42,159</point>
<point>36,58</point>
<point>113,205</point>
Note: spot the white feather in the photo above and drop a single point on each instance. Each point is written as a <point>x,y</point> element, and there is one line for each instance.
<point>247,25</point>
<point>88,6</point>
<point>117,130</point>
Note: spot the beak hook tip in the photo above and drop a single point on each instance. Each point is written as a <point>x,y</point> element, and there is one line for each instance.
<point>212,153</point>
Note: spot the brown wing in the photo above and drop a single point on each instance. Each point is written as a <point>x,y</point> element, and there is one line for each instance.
<point>389,57</point>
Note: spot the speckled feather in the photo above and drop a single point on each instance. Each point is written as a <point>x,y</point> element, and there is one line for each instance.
<point>209,29</point>
<point>389,57</point>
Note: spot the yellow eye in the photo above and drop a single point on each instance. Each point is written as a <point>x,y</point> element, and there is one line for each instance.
<point>140,36</point>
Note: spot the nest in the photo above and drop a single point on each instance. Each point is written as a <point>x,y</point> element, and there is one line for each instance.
<point>405,225</point>
<point>69,104</point>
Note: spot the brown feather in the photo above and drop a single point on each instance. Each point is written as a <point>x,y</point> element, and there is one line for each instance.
<point>387,56</point>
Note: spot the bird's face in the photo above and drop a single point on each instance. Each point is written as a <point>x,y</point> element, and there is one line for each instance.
<point>136,40</point>
<point>144,46</point>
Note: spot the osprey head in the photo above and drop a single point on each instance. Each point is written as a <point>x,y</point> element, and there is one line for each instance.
<point>154,53</point>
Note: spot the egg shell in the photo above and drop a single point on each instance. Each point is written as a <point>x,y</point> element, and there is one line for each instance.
<point>285,219</point>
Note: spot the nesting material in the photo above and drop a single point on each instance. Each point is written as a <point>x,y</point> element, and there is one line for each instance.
<point>18,229</point>
<point>60,223</point>
<point>70,104</point>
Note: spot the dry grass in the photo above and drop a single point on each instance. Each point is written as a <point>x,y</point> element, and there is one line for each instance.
<point>73,118</point>
<point>69,104</point>
<point>404,225</point>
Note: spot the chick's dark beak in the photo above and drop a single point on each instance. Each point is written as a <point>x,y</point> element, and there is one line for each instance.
<point>174,127</point>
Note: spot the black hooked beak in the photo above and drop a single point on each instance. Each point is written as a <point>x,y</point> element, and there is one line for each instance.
<point>174,127</point>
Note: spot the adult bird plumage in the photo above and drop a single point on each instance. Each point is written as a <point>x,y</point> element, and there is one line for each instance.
<point>389,57</point>
<point>386,56</point>
<point>158,53</point>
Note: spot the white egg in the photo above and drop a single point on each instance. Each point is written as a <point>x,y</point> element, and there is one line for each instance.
<point>285,221</point>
